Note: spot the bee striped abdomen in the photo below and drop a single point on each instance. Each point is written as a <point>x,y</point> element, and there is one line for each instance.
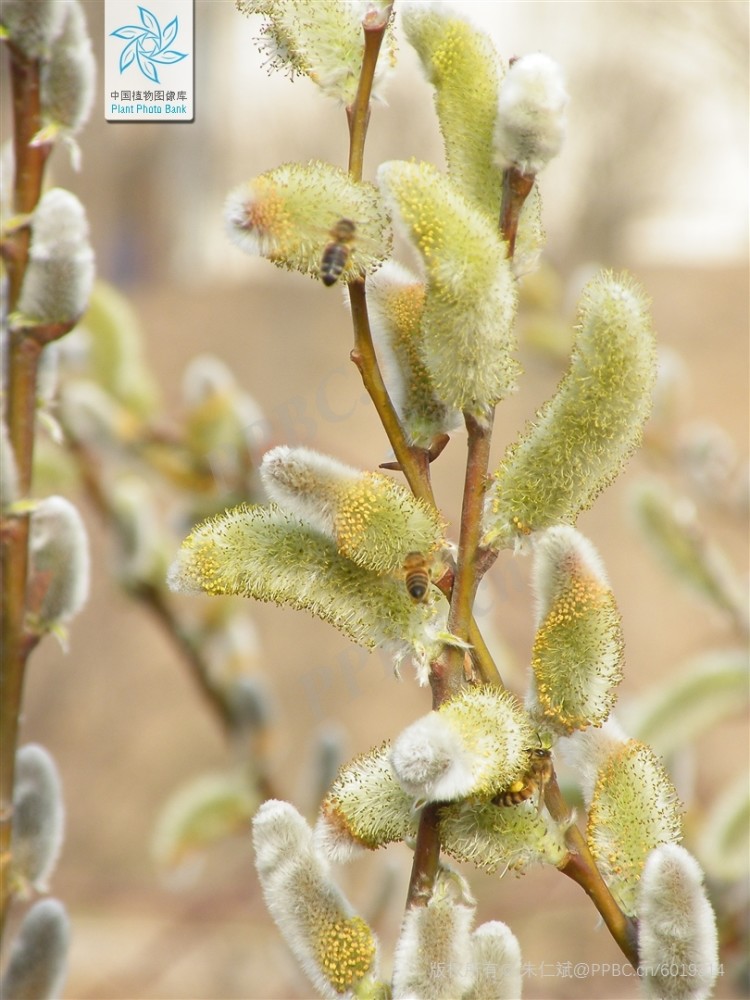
<point>336,253</point>
<point>416,576</point>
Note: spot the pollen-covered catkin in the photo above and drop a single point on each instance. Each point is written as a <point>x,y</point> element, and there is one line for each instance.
<point>634,809</point>
<point>335,947</point>
<point>475,744</point>
<point>577,658</point>
<point>396,301</point>
<point>583,435</point>
<point>287,215</point>
<point>373,520</point>
<point>470,305</point>
<point>452,52</point>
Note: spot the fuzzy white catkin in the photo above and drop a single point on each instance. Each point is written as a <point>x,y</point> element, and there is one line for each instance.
<point>677,938</point>
<point>32,25</point>
<point>38,961</point>
<point>530,124</point>
<point>60,275</point>
<point>431,958</point>
<point>496,961</point>
<point>38,816</point>
<point>59,561</point>
<point>67,83</point>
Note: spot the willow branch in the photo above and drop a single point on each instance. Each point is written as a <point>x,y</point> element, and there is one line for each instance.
<point>581,867</point>
<point>20,412</point>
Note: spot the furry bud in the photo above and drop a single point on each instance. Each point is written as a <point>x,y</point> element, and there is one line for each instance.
<point>531,114</point>
<point>38,817</point>
<point>58,280</point>
<point>430,961</point>
<point>32,25</point>
<point>58,586</point>
<point>496,961</point>
<point>67,83</point>
<point>678,949</point>
<point>38,961</point>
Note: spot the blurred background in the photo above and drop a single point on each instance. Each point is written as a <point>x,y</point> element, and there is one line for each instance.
<point>653,178</point>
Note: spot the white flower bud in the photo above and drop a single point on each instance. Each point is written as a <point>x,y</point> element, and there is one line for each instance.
<point>38,817</point>
<point>60,274</point>
<point>67,83</point>
<point>530,124</point>
<point>430,961</point>
<point>677,940</point>
<point>38,962</point>
<point>32,25</point>
<point>59,572</point>
<point>496,962</point>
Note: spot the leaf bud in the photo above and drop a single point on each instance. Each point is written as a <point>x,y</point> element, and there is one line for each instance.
<point>475,744</point>
<point>38,818</point>
<point>374,521</point>
<point>290,215</point>
<point>578,649</point>
<point>38,961</point>
<point>584,434</point>
<point>678,949</point>
<point>470,306</point>
<point>60,273</point>
<point>335,947</point>
<point>530,124</point>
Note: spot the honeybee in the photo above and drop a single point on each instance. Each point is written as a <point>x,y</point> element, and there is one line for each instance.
<point>533,781</point>
<point>336,253</point>
<point>417,576</point>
